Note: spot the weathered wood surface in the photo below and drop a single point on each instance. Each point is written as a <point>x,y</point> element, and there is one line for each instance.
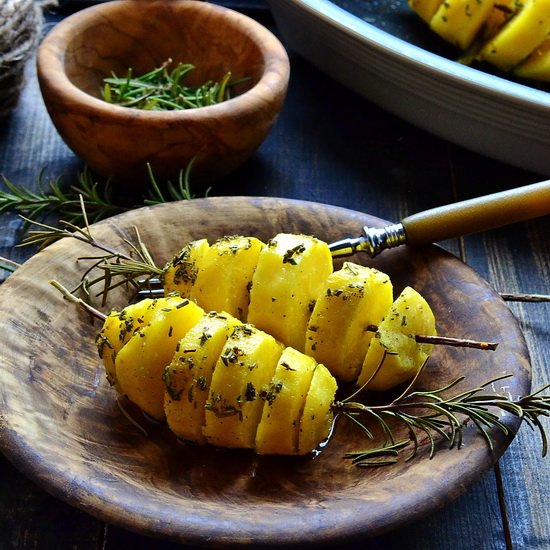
<point>347,153</point>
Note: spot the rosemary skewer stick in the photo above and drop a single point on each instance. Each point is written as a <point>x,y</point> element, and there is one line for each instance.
<point>447,341</point>
<point>524,297</point>
<point>68,295</point>
<point>153,289</point>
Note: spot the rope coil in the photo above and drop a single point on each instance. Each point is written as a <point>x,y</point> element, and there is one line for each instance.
<point>20,26</point>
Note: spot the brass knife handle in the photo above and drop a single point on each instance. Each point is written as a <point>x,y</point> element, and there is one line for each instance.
<point>479,214</point>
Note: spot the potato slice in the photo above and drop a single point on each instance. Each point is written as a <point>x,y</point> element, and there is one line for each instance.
<point>537,65</point>
<point>289,277</point>
<point>394,350</point>
<point>117,329</point>
<point>353,298</point>
<point>242,372</point>
<point>500,13</point>
<point>426,9</point>
<point>225,275</point>
<point>188,376</point>
<point>317,417</point>
<point>459,21</point>
<point>521,35</point>
<point>141,361</point>
<point>284,404</point>
<point>180,273</point>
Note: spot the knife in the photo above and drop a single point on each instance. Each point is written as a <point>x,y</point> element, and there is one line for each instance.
<point>451,221</point>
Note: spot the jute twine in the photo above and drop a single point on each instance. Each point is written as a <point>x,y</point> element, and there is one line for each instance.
<point>20,26</point>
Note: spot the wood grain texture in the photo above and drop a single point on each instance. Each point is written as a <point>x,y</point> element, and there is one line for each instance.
<point>142,34</point>
<point>524,473</point>
<point>56,402</point>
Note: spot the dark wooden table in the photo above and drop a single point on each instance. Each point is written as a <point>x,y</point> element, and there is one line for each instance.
<point>334,147</point>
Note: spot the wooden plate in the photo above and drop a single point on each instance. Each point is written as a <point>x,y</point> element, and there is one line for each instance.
<point>61,426</point>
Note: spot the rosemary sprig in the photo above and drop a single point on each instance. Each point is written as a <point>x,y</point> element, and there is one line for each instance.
<point>524,297</point>
<point>50,198</point>
<point>175,193</point>
<point>117,270</point>
<point>89,194</point>
<point>447,340</point>
<point>117,267</point>
<point>438,417</point>
<point>70,296</point>
<point>165,90</point>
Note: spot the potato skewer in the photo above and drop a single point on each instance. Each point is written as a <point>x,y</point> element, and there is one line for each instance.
<point>247,375</point>
<point>305,392</point>
<point>287,289</point>
<point>332,316</point>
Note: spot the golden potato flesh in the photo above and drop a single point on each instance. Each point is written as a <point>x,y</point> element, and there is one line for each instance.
<point>512,35</point>
<point>426,9</point>
<point>459,21</point>
<point>188,376</point>
<point>118,328</point>
<point>353,298</point>
<point>285,399</point>
<point>537,65</point>
<point>181,271</point>
<point>394,356</point>
<point>521,35</point>
<point>317,417</point>
<point>289,277</point>
<point>225,276</point>
<point>141,361</point>
<point>242,372</point>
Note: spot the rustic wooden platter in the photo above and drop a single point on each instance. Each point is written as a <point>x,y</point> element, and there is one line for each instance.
<point>61,426</point>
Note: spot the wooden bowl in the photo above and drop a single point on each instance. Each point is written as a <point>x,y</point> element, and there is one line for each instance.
<point>118,142</point>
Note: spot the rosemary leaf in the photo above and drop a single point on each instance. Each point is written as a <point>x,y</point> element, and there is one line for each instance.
<point>377,457</point>
<point>165,90</point>
<point>8,264</point>
<point>50,199</point>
